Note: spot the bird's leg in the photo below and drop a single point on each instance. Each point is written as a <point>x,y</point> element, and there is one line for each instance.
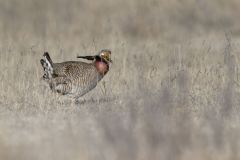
<point>60,85</point>
<point>79,100</point>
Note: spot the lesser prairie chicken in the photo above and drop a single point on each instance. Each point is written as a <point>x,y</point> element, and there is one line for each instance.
<point>76,78</point>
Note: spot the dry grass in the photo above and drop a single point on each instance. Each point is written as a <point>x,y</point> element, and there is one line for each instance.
<point>172,92</point>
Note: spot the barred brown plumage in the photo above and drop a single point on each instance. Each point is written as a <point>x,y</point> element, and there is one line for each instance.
<point>75,78</point>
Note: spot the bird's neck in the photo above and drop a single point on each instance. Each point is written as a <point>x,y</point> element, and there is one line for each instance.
<point>101,66</point>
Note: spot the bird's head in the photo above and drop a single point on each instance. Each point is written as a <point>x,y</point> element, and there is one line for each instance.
<point>104,55</point>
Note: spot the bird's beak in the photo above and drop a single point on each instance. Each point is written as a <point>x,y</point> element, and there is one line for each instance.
<point>108,60</point>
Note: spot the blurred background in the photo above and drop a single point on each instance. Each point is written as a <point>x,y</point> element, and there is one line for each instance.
<point>139,20</point>
<point>171,93</point>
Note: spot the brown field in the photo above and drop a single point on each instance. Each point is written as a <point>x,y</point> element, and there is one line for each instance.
<point>173,91</point>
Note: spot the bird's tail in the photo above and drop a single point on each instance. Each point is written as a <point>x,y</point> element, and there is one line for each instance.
<point>47,65</point>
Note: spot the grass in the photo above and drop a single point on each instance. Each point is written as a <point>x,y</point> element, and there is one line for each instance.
<point>171,93</point>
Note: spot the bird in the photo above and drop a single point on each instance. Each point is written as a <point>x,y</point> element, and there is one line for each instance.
<point>76,78</point>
